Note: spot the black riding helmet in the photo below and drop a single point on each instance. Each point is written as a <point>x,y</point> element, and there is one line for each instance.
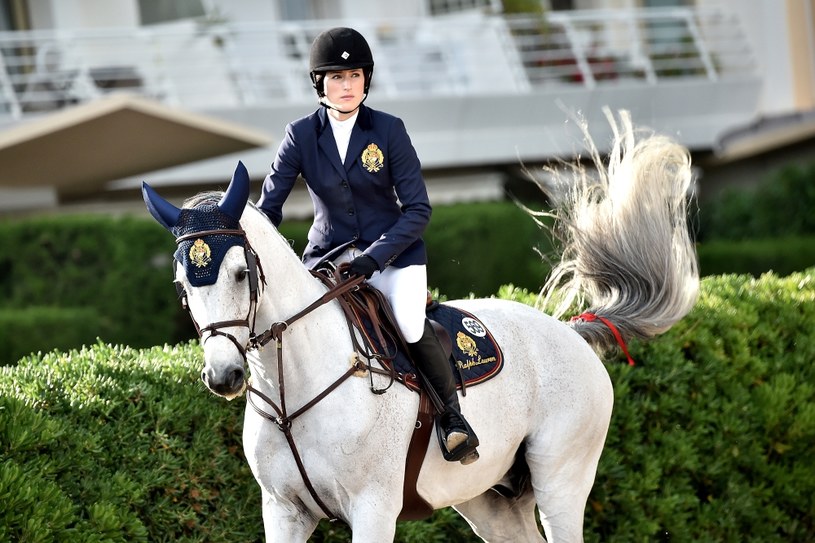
<point>339,49</point>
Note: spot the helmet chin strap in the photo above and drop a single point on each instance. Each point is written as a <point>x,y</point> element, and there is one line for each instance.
<point>335,108</point>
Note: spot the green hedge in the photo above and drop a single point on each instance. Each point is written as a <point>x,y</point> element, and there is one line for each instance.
<point>476,248</point>
<point>473,248</point>
<point>711,437</point>
<point>757,256</point>
<point>118,266</point>
<point>110,444</point>
<point>33,329</point>
<point>781,206</point>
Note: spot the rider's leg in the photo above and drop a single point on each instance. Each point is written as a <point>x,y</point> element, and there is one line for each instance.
<point>406,290</point>
<point>429,356</point>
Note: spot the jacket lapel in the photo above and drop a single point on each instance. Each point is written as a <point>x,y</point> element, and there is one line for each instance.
<point>359,137</point>
<point>325,139</point>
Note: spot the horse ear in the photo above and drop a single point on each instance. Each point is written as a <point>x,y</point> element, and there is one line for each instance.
<point>163,211</point>
<point>237,193</point>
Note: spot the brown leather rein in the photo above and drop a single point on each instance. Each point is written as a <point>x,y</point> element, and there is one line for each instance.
<point>283,419</point>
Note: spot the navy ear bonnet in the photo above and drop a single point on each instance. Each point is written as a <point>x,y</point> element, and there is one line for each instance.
<point>202,257</point>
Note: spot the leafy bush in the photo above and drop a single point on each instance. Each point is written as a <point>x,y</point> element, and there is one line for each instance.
<point>770,227</point>
<point>121,269</point>
<point>711,437</point>
<point>473,248</point>
<point>118,266</point>
<point>110,444</point>
<point>476,248</point>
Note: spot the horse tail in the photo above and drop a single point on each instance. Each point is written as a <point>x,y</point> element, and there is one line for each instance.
<point>626,253</point>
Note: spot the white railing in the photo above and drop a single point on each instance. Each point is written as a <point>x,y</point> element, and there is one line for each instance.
<point>603,47</point>
<point>242,65</point>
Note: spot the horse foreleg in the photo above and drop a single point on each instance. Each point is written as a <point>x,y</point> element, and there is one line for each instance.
<point>373,528</point>
<point>283,522</point>
<point>497,519</point>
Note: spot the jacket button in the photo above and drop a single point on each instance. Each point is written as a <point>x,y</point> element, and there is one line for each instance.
<point>344,184</point>
<point>351,211</point>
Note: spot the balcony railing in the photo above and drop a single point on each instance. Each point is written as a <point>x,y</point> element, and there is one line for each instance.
<point>243,65</point>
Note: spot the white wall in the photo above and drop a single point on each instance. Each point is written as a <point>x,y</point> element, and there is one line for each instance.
<point>367,9</point>
<point>765,24</point>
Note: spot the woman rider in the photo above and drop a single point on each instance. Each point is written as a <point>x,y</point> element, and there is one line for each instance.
<point>370,205</point>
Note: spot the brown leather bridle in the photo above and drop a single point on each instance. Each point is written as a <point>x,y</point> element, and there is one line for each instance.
<point>283,419</point>
<point>256,277</point>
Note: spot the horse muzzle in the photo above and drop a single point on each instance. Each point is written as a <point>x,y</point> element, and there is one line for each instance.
<point>229,382</point>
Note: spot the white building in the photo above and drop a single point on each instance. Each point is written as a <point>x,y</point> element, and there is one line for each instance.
<point>480,89</point>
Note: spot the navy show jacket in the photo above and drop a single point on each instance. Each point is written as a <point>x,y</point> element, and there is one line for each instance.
<point>354,203</point>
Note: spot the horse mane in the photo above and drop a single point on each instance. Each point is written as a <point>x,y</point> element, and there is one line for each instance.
<point>210,197</point>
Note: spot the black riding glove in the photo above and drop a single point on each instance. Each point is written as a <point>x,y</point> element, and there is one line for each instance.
<point>363,265</point>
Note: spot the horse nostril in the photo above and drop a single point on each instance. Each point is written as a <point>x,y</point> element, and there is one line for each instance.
<point>237,377</point>
<point>204,377</point>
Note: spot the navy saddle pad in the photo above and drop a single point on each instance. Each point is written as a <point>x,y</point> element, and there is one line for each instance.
<point>475,357</point>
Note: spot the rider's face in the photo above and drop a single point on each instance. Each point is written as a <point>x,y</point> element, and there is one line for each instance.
<point>345,90</point>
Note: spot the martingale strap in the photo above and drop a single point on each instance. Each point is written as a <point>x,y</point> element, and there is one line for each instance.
<point>283,419</point>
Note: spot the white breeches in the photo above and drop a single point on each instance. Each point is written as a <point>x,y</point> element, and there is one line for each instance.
<point>405,289</point>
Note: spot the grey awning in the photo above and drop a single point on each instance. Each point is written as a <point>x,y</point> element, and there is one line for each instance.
<point>766,134</point>
<point>79,150</point>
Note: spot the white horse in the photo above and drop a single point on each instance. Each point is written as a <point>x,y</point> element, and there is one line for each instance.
<point>628,252</point>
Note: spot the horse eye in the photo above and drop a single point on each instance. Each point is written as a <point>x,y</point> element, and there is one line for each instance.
<point>241,275</point>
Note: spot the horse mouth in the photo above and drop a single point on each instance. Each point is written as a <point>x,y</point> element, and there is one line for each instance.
<point>228,392</point>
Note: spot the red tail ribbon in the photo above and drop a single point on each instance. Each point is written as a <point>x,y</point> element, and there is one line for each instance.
<point>591,317</point>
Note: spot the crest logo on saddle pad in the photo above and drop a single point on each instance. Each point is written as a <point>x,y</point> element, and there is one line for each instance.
<point>466,344</point>
<point>469,348</point>
<point>372,158</point>
<point>200,254</point>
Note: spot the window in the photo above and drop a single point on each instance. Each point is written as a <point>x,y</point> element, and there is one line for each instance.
<point>162,11</point>
<point>13,15</point>
<point>441,7</point>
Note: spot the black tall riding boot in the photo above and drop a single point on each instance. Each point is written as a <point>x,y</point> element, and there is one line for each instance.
<point>431,361</point>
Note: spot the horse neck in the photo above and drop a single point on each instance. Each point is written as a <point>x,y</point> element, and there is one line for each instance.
<point>289,285</point>
<point>290,288</point>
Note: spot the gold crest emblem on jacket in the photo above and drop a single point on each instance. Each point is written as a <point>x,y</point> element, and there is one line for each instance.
<point>372,158</point>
